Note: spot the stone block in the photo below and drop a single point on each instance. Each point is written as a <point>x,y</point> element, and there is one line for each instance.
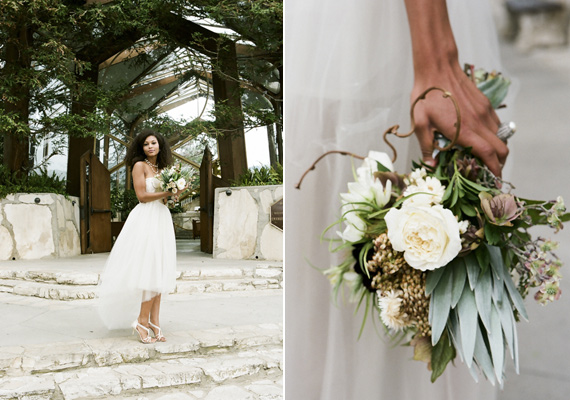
<point>230,392</point>
<point>76,278</point>
<point>221,273</point>
<point>191,287</point>
<point>55,358</point>
<point>69,243</point>
<point>32,230</point>
<point>60,215</point>
<point>266,199</point>
<point>214,287</point>
<point>229,368</point>
<point>235,233</point>
<point>237,286</point>
<point>223,337</point>
<point>30,198</point>
<point>271,243</point>
<point>6,244</point>
<point>189,274</point>
<point>91,382</point>
<point>266,390</point>
<point>27,387</point>
<point>269,272</point>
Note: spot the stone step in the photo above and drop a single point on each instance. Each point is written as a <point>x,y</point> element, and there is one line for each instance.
<point>270,388</point>
<point>86,292</point>
<point>59,357</point>
<point>195,373</point>
<point>185,273</point>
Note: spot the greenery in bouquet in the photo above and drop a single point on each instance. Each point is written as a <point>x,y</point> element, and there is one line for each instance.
<point>174,180</point>
<point>443,257</point>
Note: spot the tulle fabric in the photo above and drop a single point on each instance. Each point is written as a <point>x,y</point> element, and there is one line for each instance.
<point>141,265</point>
<point>348,76</point>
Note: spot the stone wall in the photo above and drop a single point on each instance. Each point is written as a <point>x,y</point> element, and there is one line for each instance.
<point>38,225</point>
<point>242,229</point>
<point>183,224</point>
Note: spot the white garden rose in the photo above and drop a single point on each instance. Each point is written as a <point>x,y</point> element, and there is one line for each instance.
<point>181,183</point>
<point>428,235</point>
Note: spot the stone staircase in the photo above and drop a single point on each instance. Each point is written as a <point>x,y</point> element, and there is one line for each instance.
<point>69,285</point>
<point>233,363</point>
<point>223,324</point>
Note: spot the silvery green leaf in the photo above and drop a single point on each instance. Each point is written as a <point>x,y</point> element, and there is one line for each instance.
<point>496,261</point>
<point>459,277</point>
<point>473,269</point>
<point>498,290</point>
<point>468,317</point>
<point>483,296</point>
<point>440,305</point>
<point>507,318</point>
<point>455,333</point>
<point>433,278</point>
<point>483,358</point>
<point>497,345</point>
<point>514,294</point>
<point>515,343</point>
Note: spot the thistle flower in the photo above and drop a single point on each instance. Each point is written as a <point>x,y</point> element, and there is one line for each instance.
<point>389,303</point>
<point>468,168</point>
<point>500,209</point>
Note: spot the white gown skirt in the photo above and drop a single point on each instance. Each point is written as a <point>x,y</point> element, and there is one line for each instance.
<point>141,265</point>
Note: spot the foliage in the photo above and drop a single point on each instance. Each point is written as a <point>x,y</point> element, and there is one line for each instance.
<point>123,201</point>
<point>260,176</point>
<point>36,182</point>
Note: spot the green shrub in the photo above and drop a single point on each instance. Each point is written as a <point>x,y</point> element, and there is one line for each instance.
<point>260,176</point>
<point>35,182</point>
<point>123,201</point>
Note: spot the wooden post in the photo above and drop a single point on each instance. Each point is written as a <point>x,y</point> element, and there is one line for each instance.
<point>231,144</point>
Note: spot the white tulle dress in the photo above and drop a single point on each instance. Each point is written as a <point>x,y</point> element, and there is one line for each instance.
<point>348,77</point>
<point>141,265</point>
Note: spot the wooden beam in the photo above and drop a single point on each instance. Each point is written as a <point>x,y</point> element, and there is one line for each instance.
<point>147,87</point>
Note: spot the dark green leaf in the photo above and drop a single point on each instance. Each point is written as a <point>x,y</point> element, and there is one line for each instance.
<point>442,353</point>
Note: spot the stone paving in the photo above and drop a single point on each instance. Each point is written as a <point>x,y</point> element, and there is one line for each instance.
<point>223,324</point>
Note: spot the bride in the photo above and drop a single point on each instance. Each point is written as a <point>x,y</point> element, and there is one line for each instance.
<point>142,263</point>
<point>351,68</point>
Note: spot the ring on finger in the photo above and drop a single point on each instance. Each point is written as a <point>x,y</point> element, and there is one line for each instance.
<point>506,130</point>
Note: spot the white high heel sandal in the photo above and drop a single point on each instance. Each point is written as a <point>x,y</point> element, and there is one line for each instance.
<point>159,337</point>
<point>148,339</point>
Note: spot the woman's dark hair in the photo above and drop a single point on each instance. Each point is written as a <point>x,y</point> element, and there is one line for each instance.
<point>135,152</point>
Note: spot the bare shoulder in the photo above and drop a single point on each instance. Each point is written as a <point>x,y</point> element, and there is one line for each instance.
<point>139,168</point>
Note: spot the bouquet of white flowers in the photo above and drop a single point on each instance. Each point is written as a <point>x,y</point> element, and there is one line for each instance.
<point>442,257</point>
<point>173,179</point>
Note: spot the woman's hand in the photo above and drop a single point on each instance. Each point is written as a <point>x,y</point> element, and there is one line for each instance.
<point>479,123</point>
<point>436,64</point>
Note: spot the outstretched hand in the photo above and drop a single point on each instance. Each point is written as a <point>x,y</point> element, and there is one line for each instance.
<point>479,122</point>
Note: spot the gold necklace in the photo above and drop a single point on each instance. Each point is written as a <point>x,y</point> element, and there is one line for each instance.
<point>153,167</point>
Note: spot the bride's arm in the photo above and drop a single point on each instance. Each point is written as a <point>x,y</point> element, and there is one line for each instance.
<point>140,185</point>
<point>436,64</point>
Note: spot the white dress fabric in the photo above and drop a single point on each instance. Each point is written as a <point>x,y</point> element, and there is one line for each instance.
<point>348,77</point>
<point>141,265</point>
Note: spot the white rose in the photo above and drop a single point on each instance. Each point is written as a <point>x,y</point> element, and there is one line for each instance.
<point>174,190</point>
<point>428,235</point>
<point>181,183</point>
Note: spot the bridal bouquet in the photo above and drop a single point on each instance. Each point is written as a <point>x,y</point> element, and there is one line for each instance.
<point>443,258</point>
<point>174,180</point>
